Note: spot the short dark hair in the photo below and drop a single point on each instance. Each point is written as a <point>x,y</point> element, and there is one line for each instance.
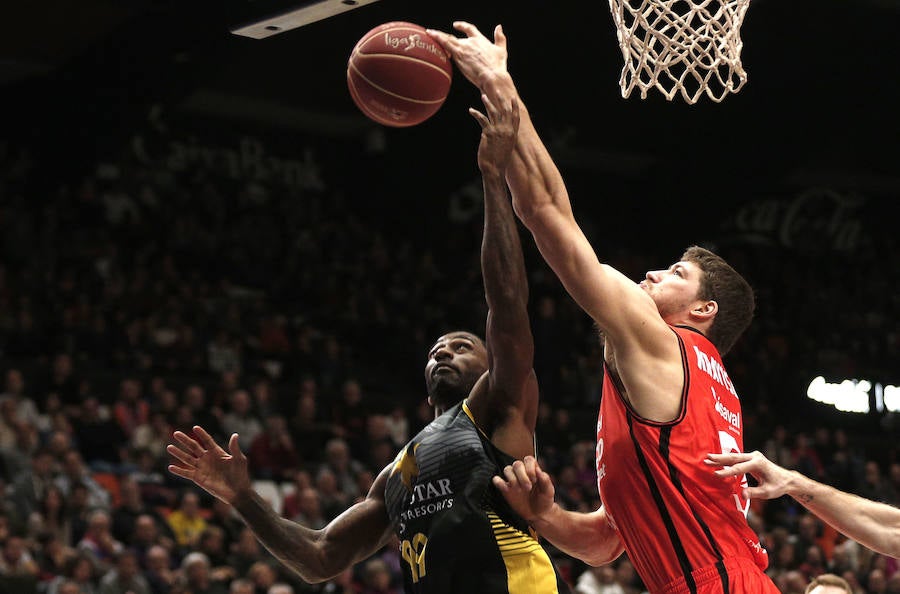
<point>734,295</point>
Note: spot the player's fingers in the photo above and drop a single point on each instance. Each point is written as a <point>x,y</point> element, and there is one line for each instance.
<point>468,28</point>
<point>205,438</point>
<point>479,117</point>
<point>514,108</point>
<point>233,448</point>
<point>489,107</point>
<point>735,470</point>
<point>728,459</point>
<point>187,473</point>
<point>754,493</point>
<point>501,484</point>
<point>522,474</point>
<point>499,36</point>
<point>509,476</point>
<point>182,456</point>
<point>188,443</point>
<point>444,40</point>
<point>543,482</point>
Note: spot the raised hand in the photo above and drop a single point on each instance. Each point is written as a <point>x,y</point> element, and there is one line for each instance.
<point>527,488</point>
<point>477,57</point>
<point>498,134</point>
<point>221,474</point>
<point>773,480</point>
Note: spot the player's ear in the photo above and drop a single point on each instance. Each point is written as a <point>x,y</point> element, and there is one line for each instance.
<point>705,310</point>
<point>430,401</point>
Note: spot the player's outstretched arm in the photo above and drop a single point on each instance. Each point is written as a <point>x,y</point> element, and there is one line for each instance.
<point>507,404</point>
<point>541,201</point>
<point>315,555</point>
<point>872,524</point>
<point>529,491</point>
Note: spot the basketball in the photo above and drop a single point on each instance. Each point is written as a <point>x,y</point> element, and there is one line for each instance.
<point>397,75</point>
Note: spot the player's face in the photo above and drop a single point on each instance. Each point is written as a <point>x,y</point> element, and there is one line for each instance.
<point>455,363</point>
<point>675,289</point>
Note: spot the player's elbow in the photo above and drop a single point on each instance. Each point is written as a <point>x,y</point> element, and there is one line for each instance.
<point>602,555</point>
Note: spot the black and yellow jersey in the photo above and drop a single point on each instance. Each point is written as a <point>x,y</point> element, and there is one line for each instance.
<point>457,533</point>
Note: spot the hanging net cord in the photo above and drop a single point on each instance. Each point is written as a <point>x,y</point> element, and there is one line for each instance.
<point>681,46</point>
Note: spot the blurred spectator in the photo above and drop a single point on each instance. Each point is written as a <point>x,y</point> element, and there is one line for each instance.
<point>376,578</point>
<point>132,510</point>
<point>241,586</point>
<point>101,440</point>
<point>398,425</point>
<point>64,382</point>
<point>196,577</point>
<point>16,560</point>
<point>30,488</point>
<point>98,543</point>
<point>158,570</point>
<point>351,413</point>
<point>264,401</point>
<point>202,412</point>
<point>214,544</point>
<point>828,583</point>
<point>333,500</point>
<point>156,488</point>
<point>26,410</point>
<point>226,518</point>
<point>342,465</point>
<point>80,572</point>
<point>125,577</point>
<point>272,454</point>
<point>245,552</point>
<point>53,515</point>
<point>240,418</point>
<point>876,582</point>
<point>130,410</point>
<point>223,353</point>
<point>308,509</point>
<point>309,428</point>
<point>186,520</point>
<point>75,473</point>
<point>263,575</point>
<point>52,555</point>
<point>9,424</point>
<point>153,435</point>
<point>598,580</point>
<point>874,486</point>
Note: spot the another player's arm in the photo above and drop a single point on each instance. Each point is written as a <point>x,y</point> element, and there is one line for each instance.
<point>319,555</point>
<point>509,400</point>
<point>872,524</point>
<point>314,555</point>
<point>627,315</point>
<point>585,536</point>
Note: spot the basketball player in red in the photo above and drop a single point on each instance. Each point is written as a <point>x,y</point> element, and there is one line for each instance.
<point>667,399</point>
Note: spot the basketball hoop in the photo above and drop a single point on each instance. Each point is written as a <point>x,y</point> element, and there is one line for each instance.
<point>686,47</point>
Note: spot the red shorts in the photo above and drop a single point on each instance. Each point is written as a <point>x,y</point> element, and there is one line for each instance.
<point>744,577</point>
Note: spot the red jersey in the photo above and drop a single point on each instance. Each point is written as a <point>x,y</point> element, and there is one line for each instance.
<point>684,528</point>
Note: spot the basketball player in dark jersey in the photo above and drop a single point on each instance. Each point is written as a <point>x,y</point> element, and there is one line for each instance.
<point>666,399</point>
<point>457,534</point>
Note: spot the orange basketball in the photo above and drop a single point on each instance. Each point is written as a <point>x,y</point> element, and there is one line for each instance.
<point>398,75</point>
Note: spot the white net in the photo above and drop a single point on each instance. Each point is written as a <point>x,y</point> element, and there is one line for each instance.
<point>686,47</point>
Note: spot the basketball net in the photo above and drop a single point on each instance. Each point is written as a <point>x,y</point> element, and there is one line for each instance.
<point>686,47</point>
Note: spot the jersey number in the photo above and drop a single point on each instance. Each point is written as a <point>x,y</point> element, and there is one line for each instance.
<point>729,445</point>
<point>413,552</point>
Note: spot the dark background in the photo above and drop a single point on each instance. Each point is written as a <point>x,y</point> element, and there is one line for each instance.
<point>796,171</point>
